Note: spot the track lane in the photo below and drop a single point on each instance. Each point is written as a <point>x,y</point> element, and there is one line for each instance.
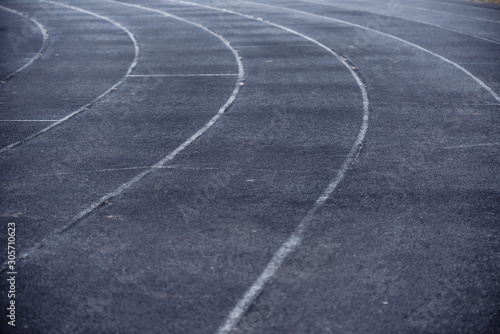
<point>161,163</point>
<point>295,239</point>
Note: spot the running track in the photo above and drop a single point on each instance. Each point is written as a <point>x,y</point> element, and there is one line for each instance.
<point>305,166</point>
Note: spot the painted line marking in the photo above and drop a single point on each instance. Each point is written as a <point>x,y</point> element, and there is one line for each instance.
<point>184,75</point>
<point>479,81</point>
<point>466,4</point>
<point>447,13</point>
<point>404,18</point>
<point>471,145</point>
<point>185,167</point>
<point>124,169</point>
<point>97,99</point>
<point>28,120</point>
<point>38,55</point>
<point>489,63</point>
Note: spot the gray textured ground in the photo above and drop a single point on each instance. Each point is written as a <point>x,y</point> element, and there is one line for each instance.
<point>408,242</point>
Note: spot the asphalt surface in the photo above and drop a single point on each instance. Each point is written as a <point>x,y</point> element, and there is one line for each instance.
<point>250,167</point>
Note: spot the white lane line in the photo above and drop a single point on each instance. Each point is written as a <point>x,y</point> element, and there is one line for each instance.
<point>295,239</point>
<point>479,81</point>
<point>120,169</point>
<point>184,75</point>
<point>97,99</point>
<point>28,120</point>
<point>466,4</point>
<point>407,19</point>
<point>38,55</point>
<point>479,63</point>
<point>471,145</point>
<point>447,13</point>
<point>180,167</point>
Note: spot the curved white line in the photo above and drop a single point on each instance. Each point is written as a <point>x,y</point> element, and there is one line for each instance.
<point>97,99</point>
<point>453,14</point>
<point>171,155</point>
<point>295,239</point>
<point>407,19</point>
<point>479,81</point>
<point>38,55</point>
